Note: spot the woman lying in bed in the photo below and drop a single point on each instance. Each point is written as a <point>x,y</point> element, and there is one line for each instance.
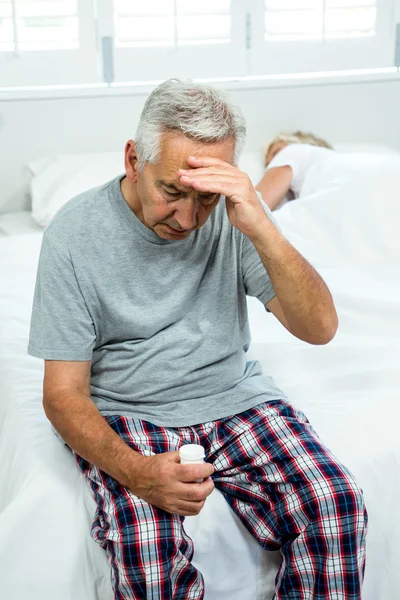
<point>292,161</point>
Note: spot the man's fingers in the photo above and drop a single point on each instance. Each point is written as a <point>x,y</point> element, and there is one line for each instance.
<point>173,456</point>
<point>190,473</point>
<point>200,174</point>
<point>194,492</point>
<point>207,175</point>
<point>206,161</point>
<point>186,509</point>
<point>216,170</point>
<point>215,186</point>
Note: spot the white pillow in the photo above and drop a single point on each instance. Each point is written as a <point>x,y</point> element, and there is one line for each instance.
<point>55,180</point>
<point>252,163</point>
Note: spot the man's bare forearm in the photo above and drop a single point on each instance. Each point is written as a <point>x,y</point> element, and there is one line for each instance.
<point>76,418</point>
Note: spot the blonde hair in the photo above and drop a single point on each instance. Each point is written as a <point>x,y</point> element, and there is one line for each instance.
<point>298,137</point>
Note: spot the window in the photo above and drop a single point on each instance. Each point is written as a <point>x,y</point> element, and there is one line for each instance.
<point>178,38</point>
<point>291,36</point>
<point>44,42</point>
<point>52,42</point>
<point>171,23</point>
<point>319,19</point>
<point>39,24</point>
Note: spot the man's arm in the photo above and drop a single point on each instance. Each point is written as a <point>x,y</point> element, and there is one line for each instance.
<point>158,479</point>
<point>305,307</point>
<point>275,185</point>
<point>303,303</point>
<point>72,412</point>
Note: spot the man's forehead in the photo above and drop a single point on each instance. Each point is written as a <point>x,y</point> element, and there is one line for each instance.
<point>175,149</point>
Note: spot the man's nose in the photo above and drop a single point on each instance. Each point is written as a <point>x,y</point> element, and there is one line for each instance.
<point>187,213</point>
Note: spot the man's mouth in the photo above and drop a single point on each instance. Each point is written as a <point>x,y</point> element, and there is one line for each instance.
<point>175,230</point>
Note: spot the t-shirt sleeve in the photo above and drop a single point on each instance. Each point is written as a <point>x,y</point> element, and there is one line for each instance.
<point>61,326</point>
<point>297,157</point>
<point>256,280</point>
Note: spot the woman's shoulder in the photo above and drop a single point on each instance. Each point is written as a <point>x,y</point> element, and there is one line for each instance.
<point>292,155</point>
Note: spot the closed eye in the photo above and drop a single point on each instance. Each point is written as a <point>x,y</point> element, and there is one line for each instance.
<point>203,198</point>
<point>172,193</point>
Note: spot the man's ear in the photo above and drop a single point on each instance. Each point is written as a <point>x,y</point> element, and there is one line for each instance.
<point>131,161</point>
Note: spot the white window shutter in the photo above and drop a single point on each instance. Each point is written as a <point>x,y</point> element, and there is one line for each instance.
<point>56,42</point>
<point>321,35</point>
<point>172,22</point>
<point>47,42</point>
<point>6,26</point>
<point>158,39</point>
<point>319,19</point>
<point>40,24</point>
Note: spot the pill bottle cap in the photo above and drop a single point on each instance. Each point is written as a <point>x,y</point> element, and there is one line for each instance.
<point>191,452</point>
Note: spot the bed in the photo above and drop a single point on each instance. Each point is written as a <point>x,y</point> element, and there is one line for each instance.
<point>348,389</point>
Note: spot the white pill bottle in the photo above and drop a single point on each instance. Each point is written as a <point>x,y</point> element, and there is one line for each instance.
<point>192,454</point>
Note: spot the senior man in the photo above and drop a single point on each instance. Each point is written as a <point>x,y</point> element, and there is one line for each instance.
<point>140,315</point>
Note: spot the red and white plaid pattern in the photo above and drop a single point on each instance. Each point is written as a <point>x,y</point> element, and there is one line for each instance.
<point>283,483</point>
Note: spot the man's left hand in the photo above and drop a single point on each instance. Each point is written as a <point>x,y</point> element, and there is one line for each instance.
<point>215,176</point>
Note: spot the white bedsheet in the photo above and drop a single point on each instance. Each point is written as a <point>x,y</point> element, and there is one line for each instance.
<point>349,389</point>
<point>46,507</point>
<point>17,223</point>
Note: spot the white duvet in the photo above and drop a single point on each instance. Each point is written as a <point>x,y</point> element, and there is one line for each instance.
<point>350,391</point>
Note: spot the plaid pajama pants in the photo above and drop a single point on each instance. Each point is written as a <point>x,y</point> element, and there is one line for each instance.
<point>282,482</point>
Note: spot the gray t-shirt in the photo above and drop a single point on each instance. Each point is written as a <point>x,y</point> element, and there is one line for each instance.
<point>164,322</point>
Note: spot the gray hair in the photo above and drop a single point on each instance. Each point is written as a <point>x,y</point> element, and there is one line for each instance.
<point>200,112</point>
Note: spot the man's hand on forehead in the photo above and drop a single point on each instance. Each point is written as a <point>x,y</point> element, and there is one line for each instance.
<point>213,175</point>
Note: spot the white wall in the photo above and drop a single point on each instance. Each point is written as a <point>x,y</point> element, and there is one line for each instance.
<point>341,112</point>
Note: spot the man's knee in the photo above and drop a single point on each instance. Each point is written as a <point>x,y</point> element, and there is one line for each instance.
<point>339,496</point>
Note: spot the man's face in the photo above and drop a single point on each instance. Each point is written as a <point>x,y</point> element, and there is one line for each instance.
<point>162,203</point>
